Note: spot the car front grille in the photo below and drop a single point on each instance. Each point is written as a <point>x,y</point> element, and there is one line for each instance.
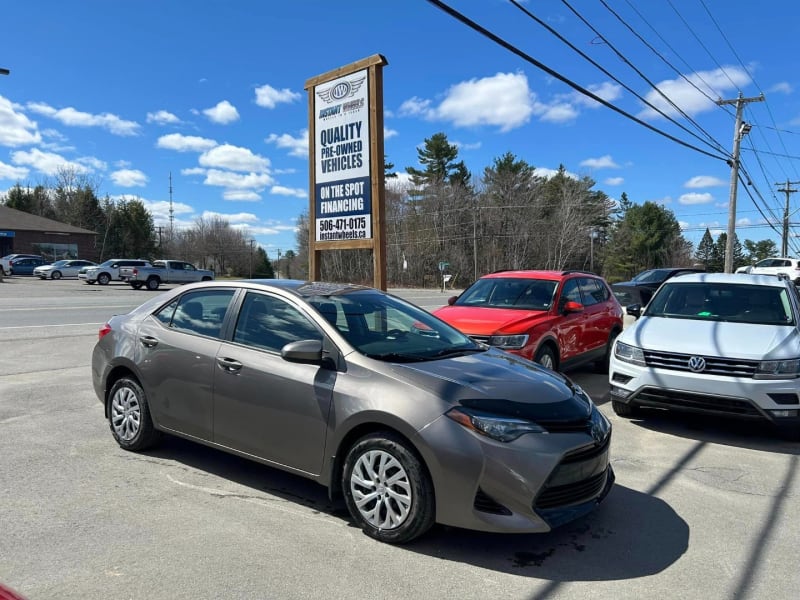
<point>727,367</point>
<point>579,477</point>
<point>693,401</point>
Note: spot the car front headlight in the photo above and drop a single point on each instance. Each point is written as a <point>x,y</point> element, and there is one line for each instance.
<point>628,353</point>
<point>778,369</point>
<point>497,427</point>
<point>510,342</point>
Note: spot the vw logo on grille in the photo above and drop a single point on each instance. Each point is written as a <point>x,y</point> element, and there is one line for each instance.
<point>697,364</point>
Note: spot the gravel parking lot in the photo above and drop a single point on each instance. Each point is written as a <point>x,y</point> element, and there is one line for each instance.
<point>701,508</point>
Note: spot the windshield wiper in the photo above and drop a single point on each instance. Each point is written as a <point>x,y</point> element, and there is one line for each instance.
<point>396,357</point>
<point>457,351</point>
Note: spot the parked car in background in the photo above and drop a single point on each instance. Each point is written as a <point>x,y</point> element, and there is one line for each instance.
<point>24,265</point>
<point>775,266</point>
<point>560,319</point>
<point>62,268</point>
<point>721,344</point>
<point>5,262</point>
<point>406,418</point>
<point>164,271</point>
<point>108,271</point>
<point>642,287</point>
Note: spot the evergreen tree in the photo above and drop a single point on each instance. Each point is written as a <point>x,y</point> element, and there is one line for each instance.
<point>705,250</point>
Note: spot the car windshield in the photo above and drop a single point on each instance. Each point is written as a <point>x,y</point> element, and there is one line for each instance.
<point>387,328</point>
<point>650,276</point>
<point>738,303</point>
<point>509,292</point>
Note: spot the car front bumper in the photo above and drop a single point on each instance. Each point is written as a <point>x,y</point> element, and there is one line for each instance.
<point>775,400</point>
<point>530,485</point>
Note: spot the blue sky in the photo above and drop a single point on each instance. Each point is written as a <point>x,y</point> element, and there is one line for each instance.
<point>212,92</point>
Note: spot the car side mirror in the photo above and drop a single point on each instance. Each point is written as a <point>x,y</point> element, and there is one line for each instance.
<point>570,306</point>
<point>303,351</point>
<point>451,300</point>
<point>634,310</point>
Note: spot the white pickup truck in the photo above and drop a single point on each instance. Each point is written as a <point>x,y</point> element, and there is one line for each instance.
<point>163,271</point>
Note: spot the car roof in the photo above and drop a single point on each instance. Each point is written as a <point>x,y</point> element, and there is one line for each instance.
<point>537,274</point>
<point>770,280</point>
<point>304,288</point>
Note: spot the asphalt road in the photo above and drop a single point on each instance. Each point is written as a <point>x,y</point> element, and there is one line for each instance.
<point>701,509</point>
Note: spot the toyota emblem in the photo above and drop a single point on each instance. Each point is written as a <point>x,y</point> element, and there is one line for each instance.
<point>697,364</point>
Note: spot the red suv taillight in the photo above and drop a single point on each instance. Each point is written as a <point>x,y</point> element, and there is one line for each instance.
<point>105,329</point>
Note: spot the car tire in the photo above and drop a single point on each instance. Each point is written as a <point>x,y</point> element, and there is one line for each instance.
<point>601,366</point>
<point>206,278</point>
<point>153,283</point>
<point>55,275</point>
<point>547,358</point>
<point>103,278</point>
<point>387,489</point>
<point>137,285</point>
<point>624,410</point>
<point>129,416</point>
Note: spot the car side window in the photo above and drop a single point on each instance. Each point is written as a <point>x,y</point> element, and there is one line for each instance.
<point>571,292</point>
<point>591,291</point>
<point>199,312</point>
<point>269,323</point>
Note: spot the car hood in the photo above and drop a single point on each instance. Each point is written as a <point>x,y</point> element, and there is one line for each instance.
<point>486,321</point>
<point>501,383</point>
<point>714,338</point>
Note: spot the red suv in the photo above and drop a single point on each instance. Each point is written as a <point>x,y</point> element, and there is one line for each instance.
<point>560,319</point>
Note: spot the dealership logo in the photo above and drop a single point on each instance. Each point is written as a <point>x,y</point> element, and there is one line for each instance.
<point>342,89</point>
<point>697,364</point>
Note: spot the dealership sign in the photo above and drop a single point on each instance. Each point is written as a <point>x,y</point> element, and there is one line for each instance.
<point>342,159</point>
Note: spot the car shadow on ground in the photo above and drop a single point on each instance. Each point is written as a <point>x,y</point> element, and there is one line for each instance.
<point>614,542</point>
<point>755,435</point>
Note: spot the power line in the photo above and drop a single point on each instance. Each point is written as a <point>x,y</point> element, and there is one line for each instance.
<point>511,48</point>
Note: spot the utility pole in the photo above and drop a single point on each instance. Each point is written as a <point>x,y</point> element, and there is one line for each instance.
<point>740,130</point>
<point>785,238</point>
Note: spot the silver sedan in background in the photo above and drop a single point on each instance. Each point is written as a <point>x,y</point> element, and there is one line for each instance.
<point>406,418</point>
<point>62,268</point>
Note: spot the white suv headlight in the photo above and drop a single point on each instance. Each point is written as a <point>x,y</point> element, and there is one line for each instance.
<point>513,342</point>
<point>628,353</point>
<point>778,369</point>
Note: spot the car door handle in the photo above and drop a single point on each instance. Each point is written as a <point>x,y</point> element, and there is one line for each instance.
<point>229,365</point>
<point>148,341</point>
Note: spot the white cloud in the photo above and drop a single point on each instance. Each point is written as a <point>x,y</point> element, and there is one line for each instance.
<point>129,178</point>
<point>704,181</point>
<point>93,163</point>
<point>695,96</point>
<point>297,146</point>
<point>241,195</point>
<point>548,173</point>
<point>238,181</point>
<point>223,113</point>
<point>160,209</point>
<point>695,198</point>
<point>782,87</point>
<point>556,113</point>
<point>614,181</point>
<point>14,173</point>
<point>604,162</point>
<point>280,190</point>
<point>46,162</point>
<point>185,143</point>
<point>162,117</point>
<point>268,97</point>
<point>234,158</point>
<point>242,217</point>
<point>466,146</point>
<point>76,118</point>
<point>389,133</point>
<point>607,91</point>
<point>16,129</point>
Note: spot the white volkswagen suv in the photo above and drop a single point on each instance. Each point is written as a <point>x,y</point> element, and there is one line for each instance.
<point>775,266</point>
<point>716,343</point>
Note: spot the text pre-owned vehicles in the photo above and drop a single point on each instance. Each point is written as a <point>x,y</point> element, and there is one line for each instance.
<point>560,319</point>
<point>24,265</point>
<point>164,271</point>
<point>5,262</point>
<point>642,287</point>
<point>109,270</point>
<point>721,344</point>
<point>790,267</point>
<point>408,419</point>
<point>62,268</point>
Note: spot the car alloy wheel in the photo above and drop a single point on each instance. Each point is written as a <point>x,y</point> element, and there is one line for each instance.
<point>387,489</point>
<point>103,278</point>
<point>56,275</point>
<point>546,358</point>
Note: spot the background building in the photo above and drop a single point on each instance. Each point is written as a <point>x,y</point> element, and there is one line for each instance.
<point>22,232</point>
